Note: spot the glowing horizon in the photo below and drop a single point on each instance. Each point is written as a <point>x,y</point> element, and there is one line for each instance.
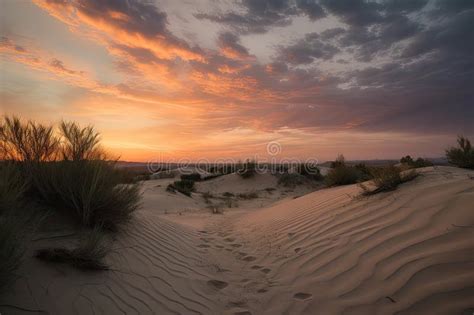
<point>369,79</point>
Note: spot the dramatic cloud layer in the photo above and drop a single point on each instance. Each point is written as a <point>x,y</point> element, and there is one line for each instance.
<point>291,70</point>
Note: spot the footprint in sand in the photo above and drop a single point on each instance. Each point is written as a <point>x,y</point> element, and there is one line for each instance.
<point>236,245</point>
<point>262,290</point>
<point>266,270</point>
<point>217,284</point>
<point>203,232</point>
<point>256,267</point>
<point>249,258</point>
<point>302,296</point>
<point>229,239</point>
<point>297,250</point>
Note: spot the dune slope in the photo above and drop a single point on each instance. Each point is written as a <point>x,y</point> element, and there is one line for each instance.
<point>410,251</point>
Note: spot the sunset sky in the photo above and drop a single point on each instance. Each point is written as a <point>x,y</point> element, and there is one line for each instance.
<point>211,78</point>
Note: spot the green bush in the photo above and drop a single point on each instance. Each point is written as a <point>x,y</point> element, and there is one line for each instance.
<point>184,186</point>
<point>387,179</point>
<point>463,155</point>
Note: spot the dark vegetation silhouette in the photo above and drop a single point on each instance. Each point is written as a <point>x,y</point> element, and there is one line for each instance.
<point>462,155</point>
<point>387,178</point>
<point>65,171</point>
<point>419,162</point>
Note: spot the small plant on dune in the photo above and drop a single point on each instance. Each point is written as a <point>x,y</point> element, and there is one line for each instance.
<point>290,179</point>
<point>342,174</point>
<point>463,155</point>
<point>184,186</point>
<point>248,169</point>
<point>88,255</point>
<point>228,194</point>
<point>387,179</point>
<point>419,162</point>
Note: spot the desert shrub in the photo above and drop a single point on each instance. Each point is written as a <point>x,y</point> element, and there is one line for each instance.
<point>248,196</point>
<point>419,162</point>
<point>228,194</point>
<point>88,255</point>
<point>310,171</point>
<point>342,175</point>
<point>387,179</point>
<point>463,155</point>
<point>79,143</point>
<point>365,172</point>
<point>340,161</point>
<point>248,169</point>
<point>27,141</point>
<point>90,191</point>
<point>290,179</point>
<point>194,177</point>
<point>184,186</point>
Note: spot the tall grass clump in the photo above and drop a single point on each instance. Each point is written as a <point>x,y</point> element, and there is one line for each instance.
<point>463,155</point>
<point>184,186</point>
<point>387,179</point>
<point>27,141</point>
<point>342,174</point>
<point>91,191</point>
<point>66,170</point>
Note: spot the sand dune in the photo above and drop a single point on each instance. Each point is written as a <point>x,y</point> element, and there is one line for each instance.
<point>410,251</point>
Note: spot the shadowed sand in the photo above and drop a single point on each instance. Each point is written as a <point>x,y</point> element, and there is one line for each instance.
<point>410,251</point>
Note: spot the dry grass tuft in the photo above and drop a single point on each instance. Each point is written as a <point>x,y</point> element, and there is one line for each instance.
<point>387,179</point>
